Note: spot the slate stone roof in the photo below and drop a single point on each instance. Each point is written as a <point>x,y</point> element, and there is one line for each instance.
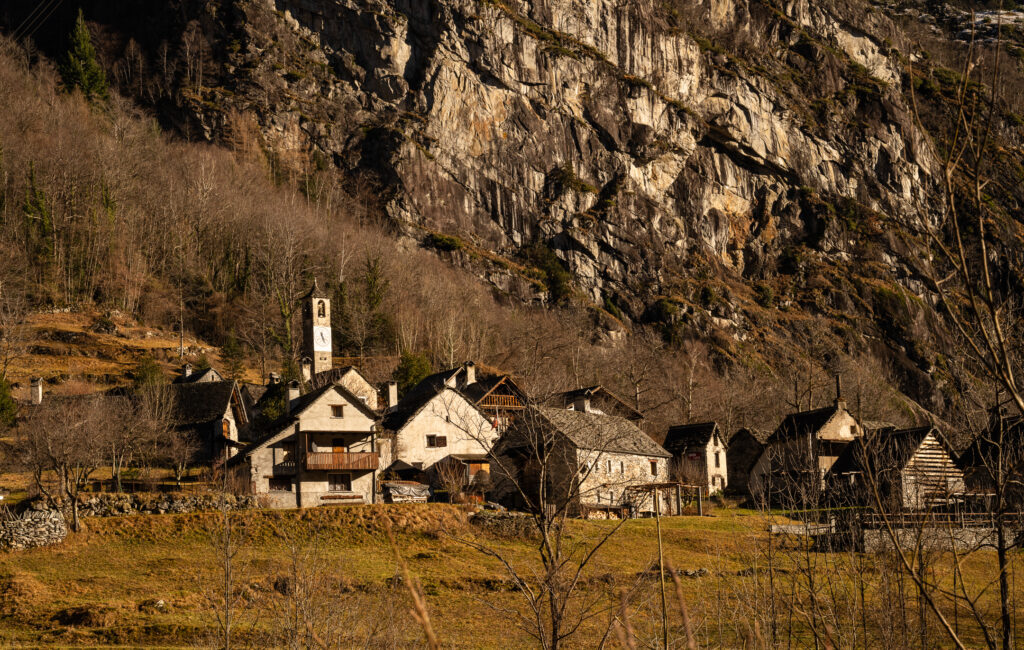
<point>331,375</point>
<point>804,422</point>
<point>199,376</point>
<point>315,292</point>
<point>983,451</point>
<point>885,448</point>
<point>600,432</point>
<point>760,435</point>
<point>301,404</point>
<point>200,402</point>
<point>687,436</point>
<point>429,387</point>
<point>598,392</point>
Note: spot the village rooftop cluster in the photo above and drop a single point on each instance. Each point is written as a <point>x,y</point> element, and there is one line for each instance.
<point>466,434</point>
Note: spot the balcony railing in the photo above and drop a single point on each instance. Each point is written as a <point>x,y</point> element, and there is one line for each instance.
<point>501,402</point>
<point>342,460</point>
<point>284,468</point>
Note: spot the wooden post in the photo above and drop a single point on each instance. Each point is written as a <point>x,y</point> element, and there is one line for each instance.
<point>661,572</point>
<point>700,503</point>
<point>679,500</point>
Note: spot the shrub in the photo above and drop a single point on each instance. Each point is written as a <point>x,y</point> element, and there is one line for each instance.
<point>764,295</point>
<point>445,243</point>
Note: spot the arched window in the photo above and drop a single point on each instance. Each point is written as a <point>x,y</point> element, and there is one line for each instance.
<point>321,309</point>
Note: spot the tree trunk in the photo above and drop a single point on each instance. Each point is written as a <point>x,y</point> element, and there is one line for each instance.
<point>1004,586</point>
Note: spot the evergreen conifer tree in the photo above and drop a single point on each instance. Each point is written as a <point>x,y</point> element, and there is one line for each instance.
<point>80,69</point>
<point>233,356</point>
<point>412,369</point>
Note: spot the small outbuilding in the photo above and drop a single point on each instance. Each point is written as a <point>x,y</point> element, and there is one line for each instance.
<point>909,469</point>
<point>698,455</point>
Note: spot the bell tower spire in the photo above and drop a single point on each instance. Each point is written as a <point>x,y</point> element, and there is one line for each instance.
<point>316,329</point>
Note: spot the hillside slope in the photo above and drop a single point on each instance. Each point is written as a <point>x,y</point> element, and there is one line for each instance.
<point>731,171</point>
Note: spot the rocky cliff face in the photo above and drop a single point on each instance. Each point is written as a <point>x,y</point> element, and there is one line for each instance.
<point>625,144</point>
<point>724,167</point>
<point>628,145</point>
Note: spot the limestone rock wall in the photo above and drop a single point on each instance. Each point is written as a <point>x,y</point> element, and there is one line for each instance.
<point>624,144</point>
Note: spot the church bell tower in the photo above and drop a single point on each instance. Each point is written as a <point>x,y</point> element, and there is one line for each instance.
<point>316,329</point>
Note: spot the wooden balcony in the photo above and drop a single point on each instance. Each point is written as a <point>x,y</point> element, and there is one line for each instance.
<point>341,460</point>
<point>501,402</point>
<point>285,468</point>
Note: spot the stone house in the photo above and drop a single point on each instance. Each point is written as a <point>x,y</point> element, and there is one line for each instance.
<point>437,425</point>
<point>190,376</point>
<point>352,379</point>
<point>742,451</point>
<point>913,469</point>
<point>322,452</point>
<point>214,412</point>
<point>581,461</point>
<point>792,467</point>
<point>600,400</point>
<point>698,455</point>
<point>999,445</point>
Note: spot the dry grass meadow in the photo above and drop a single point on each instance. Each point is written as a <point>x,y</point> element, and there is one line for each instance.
<point>101,586</point>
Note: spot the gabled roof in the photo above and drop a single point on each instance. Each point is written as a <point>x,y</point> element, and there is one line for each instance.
<point>883,449</point>
<point>687,436</point>
<point>805,422</point>
<point>200,402</point>
<point>284,424</point>
<point>759,435</point>
<point>485,385</point>
<point>315,292</point>
<point>983,451</point>
<point>324,377</point>
<point>199,376</point>
<point>569,396</point>
<point>601,432</point>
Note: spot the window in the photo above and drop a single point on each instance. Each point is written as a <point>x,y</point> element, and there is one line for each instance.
<point>718,461</point>
<point>280,484</point>
<point>622,467</point>
<point>339,482</point>
<point>654,468</point>
<point>337,410</point>
<point>437,441</point>
<point>609,467</point>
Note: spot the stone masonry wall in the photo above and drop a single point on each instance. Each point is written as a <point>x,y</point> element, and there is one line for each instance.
<point>32,528</point>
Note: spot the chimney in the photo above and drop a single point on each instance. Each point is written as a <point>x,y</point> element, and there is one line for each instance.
<point>470,373</point>
<point>274,379</point>
<point>186,370</point>
<point>307,368</point>
<point>36,390</point>
<point>581,403</point>
<point>293,393</point>
<point>840,402</point>
<point>392,394</point>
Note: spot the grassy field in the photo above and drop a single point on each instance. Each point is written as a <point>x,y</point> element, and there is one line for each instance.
<point>102,585</point>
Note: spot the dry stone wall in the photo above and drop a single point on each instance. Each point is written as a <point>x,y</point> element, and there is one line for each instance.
<point>32,528</point>
<point>114,505</point>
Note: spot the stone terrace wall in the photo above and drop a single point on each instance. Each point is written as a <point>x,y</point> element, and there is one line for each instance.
<point>32,528</point>
<point>113,505</point>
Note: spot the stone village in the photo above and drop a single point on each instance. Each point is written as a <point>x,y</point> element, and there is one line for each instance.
<point>471,434</point>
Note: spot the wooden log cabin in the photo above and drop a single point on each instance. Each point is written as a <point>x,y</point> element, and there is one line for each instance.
<point>912,469</point>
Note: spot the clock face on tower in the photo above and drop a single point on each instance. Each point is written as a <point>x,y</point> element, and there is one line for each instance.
<point>321,338</point>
